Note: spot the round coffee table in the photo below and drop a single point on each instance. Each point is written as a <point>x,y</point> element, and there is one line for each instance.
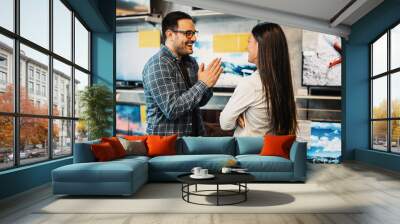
<point>238,179</point>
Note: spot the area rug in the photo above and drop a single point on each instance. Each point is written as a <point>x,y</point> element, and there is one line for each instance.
<point>167,198</point>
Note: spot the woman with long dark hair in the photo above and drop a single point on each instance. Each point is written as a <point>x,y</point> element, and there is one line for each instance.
<point>263,103</point>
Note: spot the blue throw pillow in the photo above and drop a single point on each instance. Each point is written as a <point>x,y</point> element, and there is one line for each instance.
<point>249,145</point>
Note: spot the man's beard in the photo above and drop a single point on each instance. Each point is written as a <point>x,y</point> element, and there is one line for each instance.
<point>182,49</point>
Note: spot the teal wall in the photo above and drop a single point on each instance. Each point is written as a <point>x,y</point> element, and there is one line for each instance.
<point>24,178</point>
<point>356,84</point>
<point>99,16</point>
<point>103,53</point>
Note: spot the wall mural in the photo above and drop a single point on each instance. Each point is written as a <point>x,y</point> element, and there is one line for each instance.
<point>321,59</point>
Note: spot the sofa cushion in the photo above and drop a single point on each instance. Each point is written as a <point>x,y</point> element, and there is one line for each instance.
<point>135,147</point>
<point>112,171</point>
<point>136,137</point>
<point>133,157</point>
<point>116,145</point>
<point>161,145</point>
<point>103,152</point>
<point>249,145</point>
<point>257,163</point>
<point>207,145</point>
<point>277,145</point>
<point>185,163</point>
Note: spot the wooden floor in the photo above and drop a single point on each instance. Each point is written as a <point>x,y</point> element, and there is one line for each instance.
<point>377,188</point>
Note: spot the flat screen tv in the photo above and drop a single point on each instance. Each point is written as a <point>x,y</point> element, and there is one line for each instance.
<point>322,59</point>
<point>131,60</point>
<point>131,119</point>
<point>133,7</point>
<point>235,65</point>
<point>325,143</point>
<point>130,57</point>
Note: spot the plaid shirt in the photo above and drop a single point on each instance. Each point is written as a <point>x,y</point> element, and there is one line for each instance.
<point>170,104</point>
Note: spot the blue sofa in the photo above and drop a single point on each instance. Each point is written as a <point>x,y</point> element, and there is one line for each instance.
<point>125,176</point>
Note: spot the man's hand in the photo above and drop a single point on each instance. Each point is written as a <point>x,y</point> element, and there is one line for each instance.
<point>211,74</point>
<point>240,121</point>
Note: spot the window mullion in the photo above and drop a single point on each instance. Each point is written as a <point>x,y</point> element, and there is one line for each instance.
<point>50,81</point>
<point>73,82</point>
<point>389,106</point>
<point>16,85</point>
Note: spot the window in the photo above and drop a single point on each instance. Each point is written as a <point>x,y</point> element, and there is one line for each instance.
<point>45,131</point>
<point>6,73</point>
<point>62,31</point>
<point>44,91</point>
<point>62,74</point>
<point>81,45</point>
<point>7,142</point>
<point>35,22</point>
<point>33,148</point>
<point>37,74</point>
<point>81,81</point>
<point>3,61</point>
<point>30,87</point>
<point>30,72</point>
<point>385,93</point>
<point>38,89</point>
<point>62,140</point>
<point>7,14</point>
<point>3,78</point>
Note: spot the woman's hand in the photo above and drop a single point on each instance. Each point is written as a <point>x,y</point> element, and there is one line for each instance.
<point>240,121</point>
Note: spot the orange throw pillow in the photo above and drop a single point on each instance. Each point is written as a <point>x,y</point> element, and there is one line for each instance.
<point>136,137</point>
<point>103,152</point>
<point>116,145</point>
<point>161,145</point>
<point>277,145</point>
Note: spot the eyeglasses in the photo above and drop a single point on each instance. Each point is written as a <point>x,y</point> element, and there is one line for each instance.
<point>188,33</point>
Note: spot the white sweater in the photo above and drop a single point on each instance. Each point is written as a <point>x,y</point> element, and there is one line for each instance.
<point>247,99</point>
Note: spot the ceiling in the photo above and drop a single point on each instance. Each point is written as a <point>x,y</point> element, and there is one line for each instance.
<point>327,16</point>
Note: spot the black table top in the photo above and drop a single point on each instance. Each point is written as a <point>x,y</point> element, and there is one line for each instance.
<point>220,178</point>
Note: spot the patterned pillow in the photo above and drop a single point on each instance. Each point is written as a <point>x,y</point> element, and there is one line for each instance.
<point>136,147</point>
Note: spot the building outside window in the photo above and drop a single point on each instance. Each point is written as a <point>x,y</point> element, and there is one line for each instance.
<point>35,79</point>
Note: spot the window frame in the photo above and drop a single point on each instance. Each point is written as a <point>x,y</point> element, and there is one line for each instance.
<point>16,114</point>
<point>388,74</point>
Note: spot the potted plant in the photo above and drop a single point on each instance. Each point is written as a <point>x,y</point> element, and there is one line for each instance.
<point>96,103</point>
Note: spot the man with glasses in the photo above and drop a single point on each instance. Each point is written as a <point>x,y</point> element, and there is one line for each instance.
<point>174,85</point>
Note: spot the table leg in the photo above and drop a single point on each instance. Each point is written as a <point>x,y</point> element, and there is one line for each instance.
<point>196,188</point>
<point>245,193</point>
<point>217,194</point>
<point>188,190</point>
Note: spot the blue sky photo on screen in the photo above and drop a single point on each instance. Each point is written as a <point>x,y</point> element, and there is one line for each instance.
<point>325,146</point>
